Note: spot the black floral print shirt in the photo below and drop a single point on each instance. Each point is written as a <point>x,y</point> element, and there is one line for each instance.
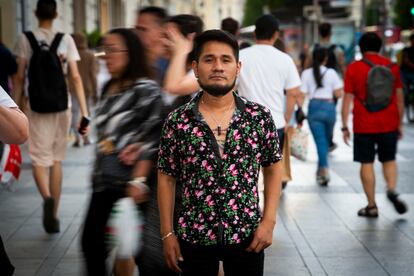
<point>220,202</point>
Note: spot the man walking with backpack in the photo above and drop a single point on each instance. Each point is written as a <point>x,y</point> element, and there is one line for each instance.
<point>374,86</point>
<point>45,54</point>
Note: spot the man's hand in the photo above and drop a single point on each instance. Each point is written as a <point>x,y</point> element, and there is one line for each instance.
<point>172,253</point>
<point>129,155</point>
<point>263,237</point>
<point>346,136</point>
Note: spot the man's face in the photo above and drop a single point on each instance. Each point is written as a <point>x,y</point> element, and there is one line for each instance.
<point>151,31</point>
<point>217,68</point>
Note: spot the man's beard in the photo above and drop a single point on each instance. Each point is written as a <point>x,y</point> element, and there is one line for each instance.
<point>217,90</point>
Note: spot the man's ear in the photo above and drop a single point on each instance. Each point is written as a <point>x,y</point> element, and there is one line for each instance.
<point>239,65</point>
<point>195,68</point>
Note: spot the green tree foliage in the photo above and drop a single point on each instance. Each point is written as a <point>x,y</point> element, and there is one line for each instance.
<point>403,17</point>
<point>255,8</point>
<point>372,13</point>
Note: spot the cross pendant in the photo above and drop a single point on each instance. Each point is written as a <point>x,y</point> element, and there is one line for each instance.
<point>218,130</point>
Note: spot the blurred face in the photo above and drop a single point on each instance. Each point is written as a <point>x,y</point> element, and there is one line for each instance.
<point>116,54</point>
<point>217,68</point>
<point>151,33</point>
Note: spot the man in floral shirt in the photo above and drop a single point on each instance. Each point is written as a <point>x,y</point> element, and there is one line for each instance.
<point>212,148</point>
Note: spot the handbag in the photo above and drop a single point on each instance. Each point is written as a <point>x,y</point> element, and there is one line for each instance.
<point>299,144</point>
<point>286,174</point>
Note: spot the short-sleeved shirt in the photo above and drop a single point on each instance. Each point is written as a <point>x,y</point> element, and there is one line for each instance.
<point>219,194</point>
<point>5,99</point>
<point>386,120</point>
<point>265,74</point>
<point>330,82</point>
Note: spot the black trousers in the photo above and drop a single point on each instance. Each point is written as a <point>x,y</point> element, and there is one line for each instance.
<point>204,260</point>
<point>93,237</point>
<point>6,268</point>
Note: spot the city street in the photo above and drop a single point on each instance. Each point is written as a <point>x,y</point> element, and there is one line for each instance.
<point>318,231</point>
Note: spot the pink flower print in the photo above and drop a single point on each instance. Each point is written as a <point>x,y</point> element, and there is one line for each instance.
<point>211,235</point>
<point>199,193</point>
<point>182,223</point>
<point>270,134</point>
<point>197,132</point>
<point>252,143</point>
<point>225,156</point>
<point>225,224</point>
<point>231,202</point>
<point>222,191</point>
<point>210,218</point>
<point>209,201</point>
<point>236,135</point>
<point>236,237</point>
<point>233,170</point>
<point>205,165</point>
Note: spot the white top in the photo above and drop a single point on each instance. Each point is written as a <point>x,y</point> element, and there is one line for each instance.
<point>5,99</point>
<point>265,73</point>
<point>66,50</point>
<point>330,82</point>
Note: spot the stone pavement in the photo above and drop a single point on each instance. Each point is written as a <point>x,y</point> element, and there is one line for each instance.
<point>317,233</point>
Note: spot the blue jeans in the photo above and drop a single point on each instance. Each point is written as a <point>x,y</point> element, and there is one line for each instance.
<point>321,119</point>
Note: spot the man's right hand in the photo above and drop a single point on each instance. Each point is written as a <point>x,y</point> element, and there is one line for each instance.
<point>347,136</point>
<point>172,253</point>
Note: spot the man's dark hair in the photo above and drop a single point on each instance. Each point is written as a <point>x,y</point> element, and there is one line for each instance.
<point>411,37</point>
<point>46,9</point>
<point>325,30</point>
<point>158,12</point>
<point>370,42</point>
<point>266,26</point>
<point>137,66</point>
<point>187,23</point>
<point>215,35</point>
<point>230,25</point>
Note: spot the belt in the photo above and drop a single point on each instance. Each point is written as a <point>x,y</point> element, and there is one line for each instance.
<point>323,99</point>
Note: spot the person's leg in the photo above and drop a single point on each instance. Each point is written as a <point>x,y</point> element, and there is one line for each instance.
<point>387,150</point>
<point>7,269</point>
<point>56,184</point>
<point>41,177</point>
<point>93,236</point>
<point>237,261</point>
<point>124,267</point>
<point>364,153</point>
<point>319,134</point>
<point>199,260</point>
<point>367,175</point>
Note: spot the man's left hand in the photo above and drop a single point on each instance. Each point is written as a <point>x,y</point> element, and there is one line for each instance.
<point>263,237</point>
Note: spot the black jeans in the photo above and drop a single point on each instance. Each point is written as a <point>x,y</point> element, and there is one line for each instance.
<point>93,236</point>
<point>204,260</point>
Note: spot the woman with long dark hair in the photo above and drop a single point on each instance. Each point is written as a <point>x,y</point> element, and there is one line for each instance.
<point>128,113</point>
<point>321,85</point>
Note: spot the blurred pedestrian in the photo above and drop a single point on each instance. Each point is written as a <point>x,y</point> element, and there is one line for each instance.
<point>374,131</point>
<point>45,54</point>
<point>269,75</point>
<point>150,28</point>
<point>8,67</point>
<point>87,69</point>
<point>14,129</point>
<point>336,60</point>
<point>202,148</point>
<point>407,74</point>
<point>321,85</point>
<point>127,113</point>
<point>231,26</point>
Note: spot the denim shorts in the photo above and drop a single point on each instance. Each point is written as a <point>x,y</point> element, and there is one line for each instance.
<point>366,146</point>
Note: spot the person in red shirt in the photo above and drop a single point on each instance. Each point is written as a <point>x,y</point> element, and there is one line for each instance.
<point>374,132</point>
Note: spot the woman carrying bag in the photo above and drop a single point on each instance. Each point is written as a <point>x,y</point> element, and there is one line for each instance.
<point>322,86</point>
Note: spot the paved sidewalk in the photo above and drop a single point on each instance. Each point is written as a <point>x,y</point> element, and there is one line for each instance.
<point>317,233</point>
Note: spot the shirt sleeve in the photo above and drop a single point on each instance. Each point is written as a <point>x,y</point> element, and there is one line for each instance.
<point>168,161</point>
<point>271,152</point>
<point>336,81</point>
<point>22,48</point>
<point>72,53</point>
<point>304,87</point>
<point>5,99</point>
<point>292,79</point>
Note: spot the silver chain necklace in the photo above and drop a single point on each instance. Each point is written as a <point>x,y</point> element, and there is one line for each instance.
<point>218,129</point>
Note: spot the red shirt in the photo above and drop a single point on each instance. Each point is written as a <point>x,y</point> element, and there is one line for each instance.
<point>386,120</point>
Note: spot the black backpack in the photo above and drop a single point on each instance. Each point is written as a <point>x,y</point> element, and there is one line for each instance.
<point>379,84</point>
<point>332,61</point>
<point>47,84</point>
